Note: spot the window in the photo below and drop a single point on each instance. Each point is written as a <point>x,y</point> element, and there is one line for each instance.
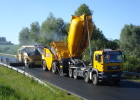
<point>98,58</point>
<point>113,58</point>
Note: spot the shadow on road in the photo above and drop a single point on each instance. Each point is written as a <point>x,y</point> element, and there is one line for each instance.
<point>129,84</point>
<point>124,84</point>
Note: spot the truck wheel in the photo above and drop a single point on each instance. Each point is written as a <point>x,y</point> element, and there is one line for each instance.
<point>86,78</point>
<point>27,64</point>
<point>25,61</point>
<point>95,79</point>
<point>75,74</point>
<point>44,66</point>
<point>70,73</point>
<point>54,67</point>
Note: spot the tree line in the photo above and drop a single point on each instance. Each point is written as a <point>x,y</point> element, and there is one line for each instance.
<point>55,29</point>
<point>3,41</point>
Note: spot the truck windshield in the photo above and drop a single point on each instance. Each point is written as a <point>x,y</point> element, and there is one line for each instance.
<point>113,57</point>
<point>28,49</point>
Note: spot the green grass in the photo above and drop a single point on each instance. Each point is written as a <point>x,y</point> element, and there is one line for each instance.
<point>16,86</point>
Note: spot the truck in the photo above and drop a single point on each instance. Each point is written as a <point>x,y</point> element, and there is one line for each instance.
<point>107,67</point>
<point>29,56</point>
<point>65,57</point>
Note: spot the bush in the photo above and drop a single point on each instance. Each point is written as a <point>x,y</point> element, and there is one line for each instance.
<point>9,49</point>
<point>132,64</point>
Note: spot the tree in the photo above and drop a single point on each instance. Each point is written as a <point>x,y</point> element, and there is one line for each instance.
<point>130,40</point>
<point>83,9</point>
<point>3,39</point>
<point>97,37</point>
<point>1,50</point>
<point>97,33</point>
<point>24,36</point>
<point>52,29</point>
<point>130,45</point>
<point>112,44</point>
<point>34,32</point>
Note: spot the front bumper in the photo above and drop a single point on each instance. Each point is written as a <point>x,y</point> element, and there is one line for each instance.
<point>111,75</point>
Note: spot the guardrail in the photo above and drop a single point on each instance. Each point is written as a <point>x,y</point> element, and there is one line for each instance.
<point>27,74</point>
<point>6,54</point>
<point>132,74</point>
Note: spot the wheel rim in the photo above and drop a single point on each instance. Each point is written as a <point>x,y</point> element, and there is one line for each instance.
<point>26,63</point>
<point>44,66</point>
<point>75,74</point>
<point>86,77</point>
<point>94,80</point>
<point>70,73</point>
<point>53,68</point>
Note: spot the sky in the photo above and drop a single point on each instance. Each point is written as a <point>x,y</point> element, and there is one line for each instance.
<point>109,16</point>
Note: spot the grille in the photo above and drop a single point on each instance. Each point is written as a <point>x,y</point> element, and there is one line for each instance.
<point>113,67</point>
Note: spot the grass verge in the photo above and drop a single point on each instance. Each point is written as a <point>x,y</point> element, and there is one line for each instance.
<point>15,86</point>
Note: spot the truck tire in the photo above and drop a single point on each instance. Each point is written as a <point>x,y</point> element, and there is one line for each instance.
<point>27,64</point>
<point>70,73</point>
<point>75,75</point>
<point>86,78</point>
<point>54,69</point>
<point>25,61</point>
<point>44,66</point>
<point>95,79</point>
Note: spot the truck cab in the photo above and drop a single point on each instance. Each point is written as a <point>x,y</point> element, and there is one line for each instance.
<point>107,65</point>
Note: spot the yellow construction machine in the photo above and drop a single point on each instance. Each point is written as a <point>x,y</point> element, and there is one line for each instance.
<point>29,55</point>
<point>65,58</point>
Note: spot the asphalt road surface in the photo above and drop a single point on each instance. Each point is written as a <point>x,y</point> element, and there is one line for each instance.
<point>126,90</point>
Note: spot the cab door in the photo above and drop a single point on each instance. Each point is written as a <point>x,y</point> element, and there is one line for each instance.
<point>98,62</point>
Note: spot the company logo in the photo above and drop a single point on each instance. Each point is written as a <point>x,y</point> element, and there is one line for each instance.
<point>114,67</point>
